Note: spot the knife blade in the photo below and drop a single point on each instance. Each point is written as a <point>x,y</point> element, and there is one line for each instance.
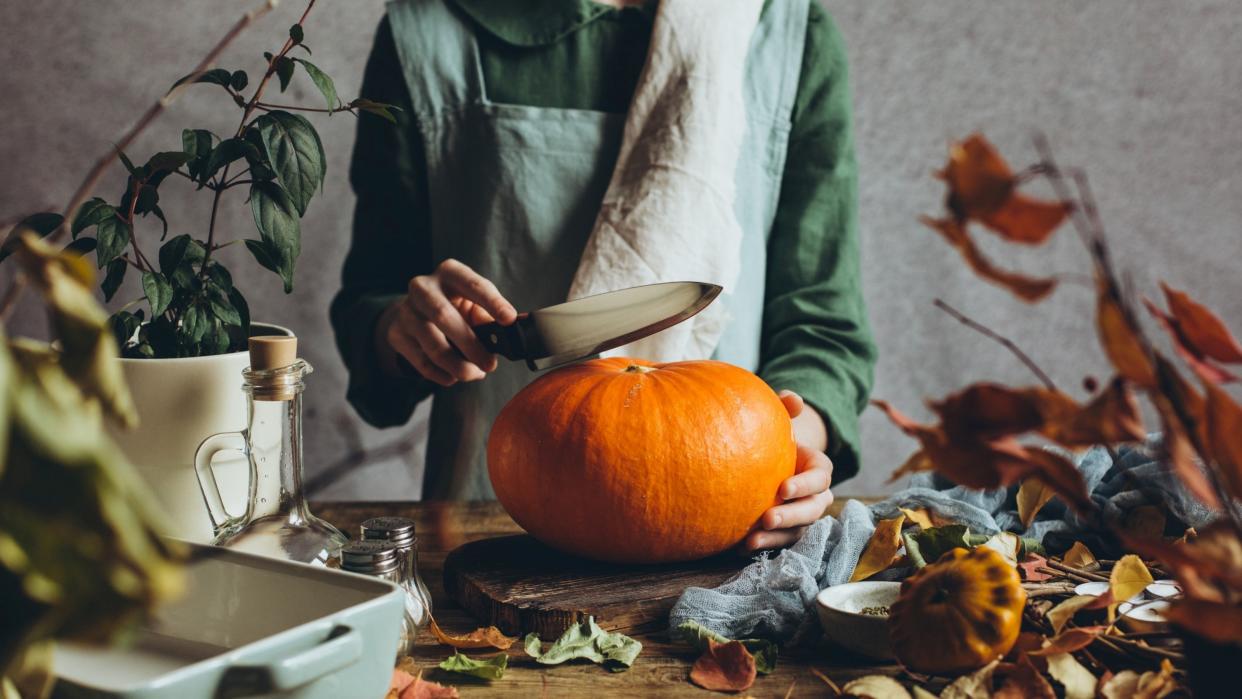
<point>576,329</point>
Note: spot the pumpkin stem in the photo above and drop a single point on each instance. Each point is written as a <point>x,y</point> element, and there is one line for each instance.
<point>638,369</point>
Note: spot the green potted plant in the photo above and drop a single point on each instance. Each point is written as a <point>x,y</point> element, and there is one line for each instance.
<point>183,341</point>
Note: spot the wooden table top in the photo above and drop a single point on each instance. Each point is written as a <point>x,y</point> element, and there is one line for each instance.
<point>662,670</point>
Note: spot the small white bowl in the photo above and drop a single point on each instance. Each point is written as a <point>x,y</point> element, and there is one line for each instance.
<point>1147,617</point>
<point>1095,589</point>
<point>1164,589</point>
<point>840,614</point>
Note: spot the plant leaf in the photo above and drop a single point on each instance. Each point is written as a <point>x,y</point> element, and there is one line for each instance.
<point>295,153</point>
<point>983,188</point>
<point>1215,621</point>
<point>112,239</point>
<point>697,635</point>
<point>295,33</point>
<point>1070,640</point>
<point>1202,329</point>
<point>159,292</point>
<point>724,667</point>
<point>881,550</point>
<point>491,669</point>
<point>489,637</point>
<point>215,76</point>
<point>284,71</point>
<point>1029,567</point>
<point>1024,682</point>
<point>1223,430</point>
<point>1078,681</point>
<point>875,687</point>
<point>322,81</point>
<point>113,278</point>
<point>1032,496</point>
<point>1029,289</point>
<point>1060,615</point>
<point>1203,366</point>
<point>229,150</point>
<point>976,685</point>
<point>586,639</point>
<point>933,543</point>
<point>168,160</point>
<point>91,214</point>
<point>1078,556</point>
<point>1129,578</point>
<point>377,108</point>
<point>1121,342</point>
<point>278,225</point>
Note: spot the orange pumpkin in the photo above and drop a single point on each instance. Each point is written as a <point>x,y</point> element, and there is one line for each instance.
<point>628,461</point>
<point>957,614</point>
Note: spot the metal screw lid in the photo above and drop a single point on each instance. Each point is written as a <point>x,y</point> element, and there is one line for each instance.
<point>370,557</point>
<point>397,530</point>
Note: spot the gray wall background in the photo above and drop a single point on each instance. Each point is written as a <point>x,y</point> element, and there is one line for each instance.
<point>1145,95</point>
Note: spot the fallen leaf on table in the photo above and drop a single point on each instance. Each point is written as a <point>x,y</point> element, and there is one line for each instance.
<point>1070,640</point>
<point>1059,615</point>
<point>1078,681</point>
<point>1030,568</point>
<point>724,667</point>
<point>697,635</point>
<point>1032,496</point>
<point>921,516</point>
<point>1078,556</point>
<point>920,693</point>
<point>1146,521</point>
<point>881,550</point>
<point>491,669</point>
<point>1129,578</point>
<point>400,680</point>
<point>976,685</point>
<point>1007,544</point>
<point>489,637</point>
<point>875,687</point>
<point>1024,682</point>
<point>1129,684</point>
<point>614,651</point>
<point>422,689</point>
<point>930,544</point>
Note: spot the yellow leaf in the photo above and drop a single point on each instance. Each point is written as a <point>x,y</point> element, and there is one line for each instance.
<point>1078,681</point>
<point>921,517</point>
<point>1129,578</point>
<point>1078,556</point>
<point>977,685</point>
<point>881,550</point>
<point>489,637</point>
<point>920,693</point>
<point>1059,615</point>
<point>875,687</point>
<point>1032,496</point>
<point>1007,544</point>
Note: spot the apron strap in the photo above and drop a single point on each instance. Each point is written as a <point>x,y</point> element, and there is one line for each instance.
<point>439,56</point>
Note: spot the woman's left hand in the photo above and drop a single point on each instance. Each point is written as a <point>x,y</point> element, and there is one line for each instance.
<point>805,494</point>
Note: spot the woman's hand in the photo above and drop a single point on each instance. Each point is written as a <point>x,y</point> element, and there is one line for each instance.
<point>432,326</point>
<point>805,494</point>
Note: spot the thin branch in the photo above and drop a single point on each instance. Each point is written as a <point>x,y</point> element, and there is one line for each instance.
<point>267,75</point>
<point>1004,341</point>
<point>294,108</point>
<point>211,226</point>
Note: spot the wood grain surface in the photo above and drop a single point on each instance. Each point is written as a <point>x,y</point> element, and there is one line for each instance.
<point>662,670</point>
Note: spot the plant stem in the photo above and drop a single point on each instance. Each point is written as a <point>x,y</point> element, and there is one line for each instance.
<point>129,219</point>
<point>211,226</point>
<point>96,173</point>
<point>294,108</point>
<point>1004,341</point>
<point>267,75</point>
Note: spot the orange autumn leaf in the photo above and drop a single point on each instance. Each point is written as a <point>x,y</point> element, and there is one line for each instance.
<point>1203,366</point>
<point>1181,458</point>
<point>489,637</point>
<point>1223,429</point>
<point>1030,568</point>
<point>1078,556</point>
<point>1203,330</point>
<point>1024,682</point>
<point>724,667</point>
<point>423,689</point>
<point>986,411</point>
<point>920,516</point>
<point>1060,615</point>
<point>983,188</point>
<point>1215,621</point>
<point>1032,495</point>
<point>1109,418</point>
<point>881,550</point>
<point>1121,341</point>
<point>1029,289</point>
<point>1061,476</point>
<point>1070,640</point>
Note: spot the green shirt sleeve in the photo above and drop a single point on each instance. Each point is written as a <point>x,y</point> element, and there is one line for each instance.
<point>816,337</point>
<point>391,239</point>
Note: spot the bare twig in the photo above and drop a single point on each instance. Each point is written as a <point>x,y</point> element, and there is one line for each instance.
<point>1004,341</point>
<point>1070,570</point>
<point>294,108</point>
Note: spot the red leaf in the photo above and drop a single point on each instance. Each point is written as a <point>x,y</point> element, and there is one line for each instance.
<point>1203,366</point>
<point>1202,329</point>
<point>724,667</point>
<point>1223,429</point>
<point>1029,289</point>
<point>1022,219</point>
<point>986,411</point>
<point>1024,682</point>
<point>1030,568</point>
<point>1112,416</point>
<point>1070,640</point>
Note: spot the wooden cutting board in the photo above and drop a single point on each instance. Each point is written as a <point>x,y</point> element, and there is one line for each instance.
<point>520,585</point>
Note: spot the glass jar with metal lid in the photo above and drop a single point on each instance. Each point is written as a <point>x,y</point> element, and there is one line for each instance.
<point>382,560</point>
<point>399,531</point>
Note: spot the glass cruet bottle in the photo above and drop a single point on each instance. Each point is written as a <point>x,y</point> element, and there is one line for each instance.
<point>277,521</point>
<point>382,560</point>
<point>399,531</point>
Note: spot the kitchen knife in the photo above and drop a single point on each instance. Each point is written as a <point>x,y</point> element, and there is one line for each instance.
<point>587,326</point>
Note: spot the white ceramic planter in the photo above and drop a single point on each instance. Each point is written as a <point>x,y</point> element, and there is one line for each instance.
<point>180,403</point>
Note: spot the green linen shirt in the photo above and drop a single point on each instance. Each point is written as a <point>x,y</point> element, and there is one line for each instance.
<point>578,54</point>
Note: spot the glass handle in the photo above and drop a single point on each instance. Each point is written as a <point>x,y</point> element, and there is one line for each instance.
<point>216,443</point>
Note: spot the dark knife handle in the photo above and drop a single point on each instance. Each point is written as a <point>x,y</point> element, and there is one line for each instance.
<point>509,341</point>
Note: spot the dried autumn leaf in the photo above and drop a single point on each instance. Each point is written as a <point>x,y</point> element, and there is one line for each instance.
<point>1215,621</point>
<point>1203,366</point>
<point>422,689</point>
<point>1030,568</point>
<point>982,187</point>
<point>1060,615</point>
<point>1070,640</point>
<point>1223,429</point>
<point>1078,681</point>
<point>1007,544</point>
<point>1121,341</point>
<point>1024,682</point>
<point>489,637</point>
<point>1032,496</point>
<point>875,687</point>
<point>986,411</point>
<point>917,462</point>
<point>1029,289</point>
<point>976,685</point>
<point>1128,684</point>
<point>881,550</point>
<point>1129,578</point>
<point>1182,460</point>
<point>724,667</point>
<point>1202,329</point>
<point>920,516</point>
<point>1110,417</point>
<point>1078,556</point>
<point>1061,476</point>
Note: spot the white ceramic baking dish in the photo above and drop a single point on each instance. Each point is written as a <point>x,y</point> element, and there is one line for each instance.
<point>250,626</point>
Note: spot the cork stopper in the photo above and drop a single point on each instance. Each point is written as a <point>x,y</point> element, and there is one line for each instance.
<point>272,352</point>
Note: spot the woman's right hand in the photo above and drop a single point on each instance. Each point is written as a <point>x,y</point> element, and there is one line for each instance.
<point>432,326</point>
